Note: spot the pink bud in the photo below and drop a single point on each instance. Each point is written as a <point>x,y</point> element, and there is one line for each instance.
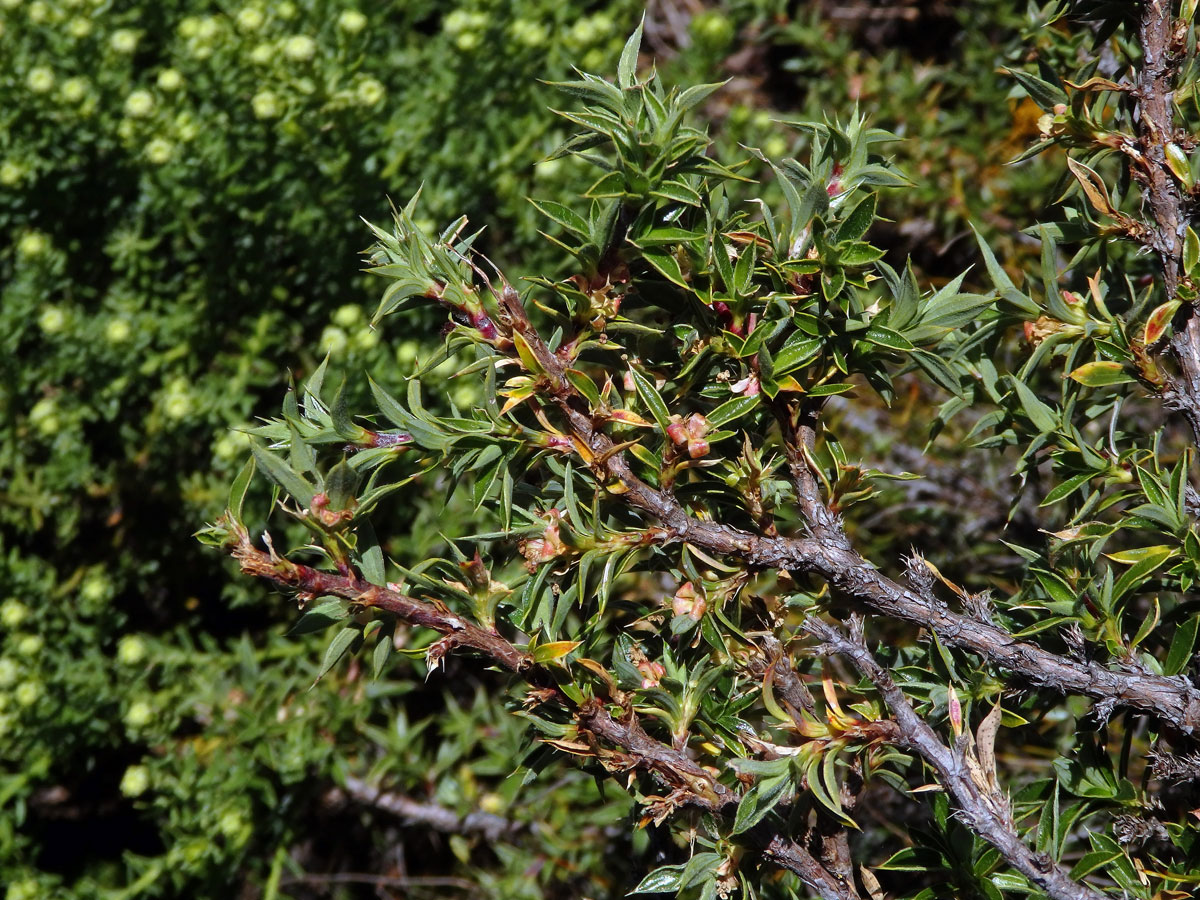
<point>955,709</point>
<point>677,432</point>
<point>652,673</point>
<point>684,599</point>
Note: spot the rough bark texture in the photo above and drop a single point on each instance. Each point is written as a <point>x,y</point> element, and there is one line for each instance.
<point>1161,39</point>
<point>830,556</point>
<point>619,743</point>
<point>982,805</point>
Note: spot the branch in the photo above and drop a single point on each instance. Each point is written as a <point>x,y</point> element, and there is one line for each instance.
<point>431,815</point>
<point>1154,120</point>
<point>798,424</point>
<point>791,856</point>
<point>380,881</point>
<point>982,805</point>
<point>691,784</point>
<point>1171,699</point>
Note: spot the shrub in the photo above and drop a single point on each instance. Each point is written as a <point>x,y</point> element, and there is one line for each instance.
<point>663,561</point>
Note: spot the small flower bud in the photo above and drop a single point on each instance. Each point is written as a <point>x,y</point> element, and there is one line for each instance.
<point>652,673</point>
<point>352,21</point>
<point>955,711</point>
<point>40,80</point>
<point>300,48</point>
<point>135,781</point>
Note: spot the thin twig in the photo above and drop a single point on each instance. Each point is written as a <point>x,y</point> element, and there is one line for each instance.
<point>1160,41</point>
<point>982,805</point>
<point>431,815</point>
<point>689,783</point>
<point>1172,699</point>
<point>396,881</point>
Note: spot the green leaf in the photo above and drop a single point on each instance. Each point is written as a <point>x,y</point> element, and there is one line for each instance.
<point>584,385</point>
<point>1004,286</point>
<point>1139,554</point>
<point>370,554</point>
<point>321,616</point>
<point>662,880</point>
<point>1066,488</point>
<point>667,265</point>
<point>1152,558</point>
<point>730,410</point>
<point>798,350</point>
<point>1043,93</point>
<point>1191,251</point>
<point>885,337</point>
<point>567,218</point>
<point>341,485</point>
<point>679,192</point>
<point>697,94</point>
<point>1041,415</point>
<point>857,221</point>
<point>828,390</point>
<point>1092,861</point>
<point>653,400</point>
<point>382,653</point>
<point>760,800</point>
<point>283,474</point>
<point>237,490</point>
<point>819,781</point>
<point>1179,656</point>
<point>698,868</point>
<point>627,67</point>
<point>337,648</point>
<point>859,254</point>
<point>1057,587</point>
<point>668,234</point>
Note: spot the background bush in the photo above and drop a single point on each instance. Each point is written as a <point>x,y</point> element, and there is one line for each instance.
<point>180,193</point>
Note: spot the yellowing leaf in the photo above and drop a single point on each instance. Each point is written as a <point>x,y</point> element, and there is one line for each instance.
<point>1156,324</point>
<point>1101,372</point>
<point>553,651</point>
<point>1129,557</point>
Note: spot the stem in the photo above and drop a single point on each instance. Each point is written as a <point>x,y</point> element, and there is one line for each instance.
<point>829,556</point>
<point>1154,121</point>
<point>982,806</point>
<point>691,785</point>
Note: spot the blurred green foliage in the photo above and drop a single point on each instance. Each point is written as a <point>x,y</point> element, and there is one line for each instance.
<point>180,193</point>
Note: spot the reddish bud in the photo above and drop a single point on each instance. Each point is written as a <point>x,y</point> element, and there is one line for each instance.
<point>652,673</point>
<point>955,710</point>
<point>688,602</point>
<point>545,548</point>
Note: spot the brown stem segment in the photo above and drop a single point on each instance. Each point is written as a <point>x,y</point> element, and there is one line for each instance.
<point>1160,37</point>
<point>431,815</point>
<point>981,805</point>
<point>691,784</point>
<point>828,555</point>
